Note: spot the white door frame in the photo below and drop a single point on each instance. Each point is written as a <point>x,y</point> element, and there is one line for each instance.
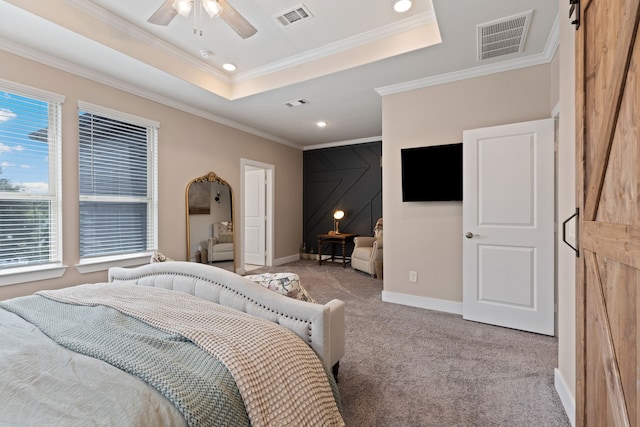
<point>246,164</point>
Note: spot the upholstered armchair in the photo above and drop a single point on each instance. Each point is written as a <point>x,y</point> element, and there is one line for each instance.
<point>221,242</point>
<point>368,250</point>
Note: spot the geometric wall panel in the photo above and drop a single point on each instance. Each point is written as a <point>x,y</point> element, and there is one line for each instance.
<point>347,178</point>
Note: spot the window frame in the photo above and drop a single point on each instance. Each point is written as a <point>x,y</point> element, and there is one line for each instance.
<point>100,263</point>
<point>54,268</point>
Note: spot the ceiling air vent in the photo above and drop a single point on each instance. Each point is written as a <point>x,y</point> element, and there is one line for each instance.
<point>504,36</point>
<point>296,102</point>
<point>299,13</point>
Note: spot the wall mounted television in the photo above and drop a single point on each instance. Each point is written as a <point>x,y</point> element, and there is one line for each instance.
<point>432,173</point>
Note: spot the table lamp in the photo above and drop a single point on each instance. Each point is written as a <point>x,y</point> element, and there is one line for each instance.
<point>337,216</point>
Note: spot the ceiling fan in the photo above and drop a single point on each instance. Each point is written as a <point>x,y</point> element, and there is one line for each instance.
<point>170,8</point>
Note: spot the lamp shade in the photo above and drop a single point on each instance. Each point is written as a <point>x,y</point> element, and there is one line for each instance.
<point>183,7</point>
<point>212,7</point>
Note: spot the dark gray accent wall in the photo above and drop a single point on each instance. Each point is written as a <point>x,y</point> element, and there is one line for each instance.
<point>347,178</point>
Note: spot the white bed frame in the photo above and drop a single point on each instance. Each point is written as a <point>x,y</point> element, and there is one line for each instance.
<point>320,326</point>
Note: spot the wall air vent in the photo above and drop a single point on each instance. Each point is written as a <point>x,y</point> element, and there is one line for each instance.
<point>504,36</point>
<point>296,102</point>
<point>297,14</point>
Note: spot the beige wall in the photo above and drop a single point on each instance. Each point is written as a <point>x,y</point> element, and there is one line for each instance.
<point>427,237</point>
<point>555,81</point>
<point>566,205</point>
<point>424,237</point>
<point>189,146</point>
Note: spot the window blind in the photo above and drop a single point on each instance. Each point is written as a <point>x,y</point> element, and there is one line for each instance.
<point>29,177</point>
<point>117,186</point>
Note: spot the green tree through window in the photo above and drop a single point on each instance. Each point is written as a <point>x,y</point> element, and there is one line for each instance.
<point>29,162</point>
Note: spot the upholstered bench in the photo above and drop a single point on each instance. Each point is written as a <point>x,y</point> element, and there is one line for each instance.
<point>283,283</point>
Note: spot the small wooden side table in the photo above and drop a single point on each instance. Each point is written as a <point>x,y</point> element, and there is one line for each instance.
<point>335,239</point>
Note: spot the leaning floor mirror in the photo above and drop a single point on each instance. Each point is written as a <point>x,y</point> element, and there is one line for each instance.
<point>210,228</point>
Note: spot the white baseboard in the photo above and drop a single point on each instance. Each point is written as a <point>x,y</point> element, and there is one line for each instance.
<point>290,258</point>
<point>423,302</point>
<point>276,262</point>
<point>568,401</point>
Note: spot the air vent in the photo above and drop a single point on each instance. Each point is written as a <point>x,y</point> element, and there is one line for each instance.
<point>298,14</point>
<point>503,37</point>
<point>296,102</point>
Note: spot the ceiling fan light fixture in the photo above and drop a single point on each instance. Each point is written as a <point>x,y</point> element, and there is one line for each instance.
<point>401,6</point>
<point>212,7</point>
<point>169,9</point>
<point>183,7</point>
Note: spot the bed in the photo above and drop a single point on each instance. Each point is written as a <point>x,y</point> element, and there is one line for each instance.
<point>172,343</point>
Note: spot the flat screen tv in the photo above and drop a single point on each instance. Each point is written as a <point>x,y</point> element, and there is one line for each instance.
<point>431,174</point>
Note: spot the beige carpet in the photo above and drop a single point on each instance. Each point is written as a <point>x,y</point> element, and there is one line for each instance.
<point>406,366</point>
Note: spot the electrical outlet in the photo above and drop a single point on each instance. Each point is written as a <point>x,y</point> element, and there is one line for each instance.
<point>413,276</point>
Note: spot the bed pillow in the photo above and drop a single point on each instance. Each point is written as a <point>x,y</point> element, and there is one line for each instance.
<point>159,257</point>
<point>225,238</point>
<point>287,284</point>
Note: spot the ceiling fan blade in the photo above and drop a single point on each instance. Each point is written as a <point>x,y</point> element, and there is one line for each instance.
<point>236,21</point>
<point>164,15</point>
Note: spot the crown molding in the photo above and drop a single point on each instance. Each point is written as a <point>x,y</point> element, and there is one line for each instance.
<point>342,143</point>
<point>553,41</point>
<point>543,58</point>
<point>109,18</point>
<point>145,37</point>
<point>52,61</point>
<point>416,21</point>
<point>469,73</point>
<point>349,43</point>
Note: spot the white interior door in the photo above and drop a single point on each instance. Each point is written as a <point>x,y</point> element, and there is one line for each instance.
<point>254,216</point>
<point>508,222</point>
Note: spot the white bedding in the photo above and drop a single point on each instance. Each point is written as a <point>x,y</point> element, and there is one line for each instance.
<point>255,351</point>
<point>71,388</point>
<point>68,388</point>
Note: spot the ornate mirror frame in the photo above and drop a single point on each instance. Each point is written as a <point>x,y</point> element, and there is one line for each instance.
<point>210,178</point>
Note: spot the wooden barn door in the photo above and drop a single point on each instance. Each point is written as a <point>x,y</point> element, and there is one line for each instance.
<point>608,186</point>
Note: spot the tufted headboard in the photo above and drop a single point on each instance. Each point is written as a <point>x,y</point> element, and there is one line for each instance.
<point>320,326</point>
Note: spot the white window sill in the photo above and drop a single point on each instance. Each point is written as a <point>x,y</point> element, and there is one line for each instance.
<point>14,276</point>
<point>91,265</point>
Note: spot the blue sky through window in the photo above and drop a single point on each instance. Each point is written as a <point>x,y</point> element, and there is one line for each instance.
<point>24,151</point>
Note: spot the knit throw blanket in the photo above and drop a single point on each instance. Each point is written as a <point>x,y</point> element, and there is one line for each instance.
<point>196,383</point>
<point>280,378</point>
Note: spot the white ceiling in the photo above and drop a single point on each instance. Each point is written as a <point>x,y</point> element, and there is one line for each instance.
<point>341,60</point>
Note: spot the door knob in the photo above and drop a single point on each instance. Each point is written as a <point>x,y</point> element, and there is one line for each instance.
<point>469,235</point>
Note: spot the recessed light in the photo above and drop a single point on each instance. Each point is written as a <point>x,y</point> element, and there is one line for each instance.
<point>321,124</point>
<point>402,5</point>
<point>229,67</point>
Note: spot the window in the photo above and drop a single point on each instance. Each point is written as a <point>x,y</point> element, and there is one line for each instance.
<point>118,190</point>
<point>30,211</point>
